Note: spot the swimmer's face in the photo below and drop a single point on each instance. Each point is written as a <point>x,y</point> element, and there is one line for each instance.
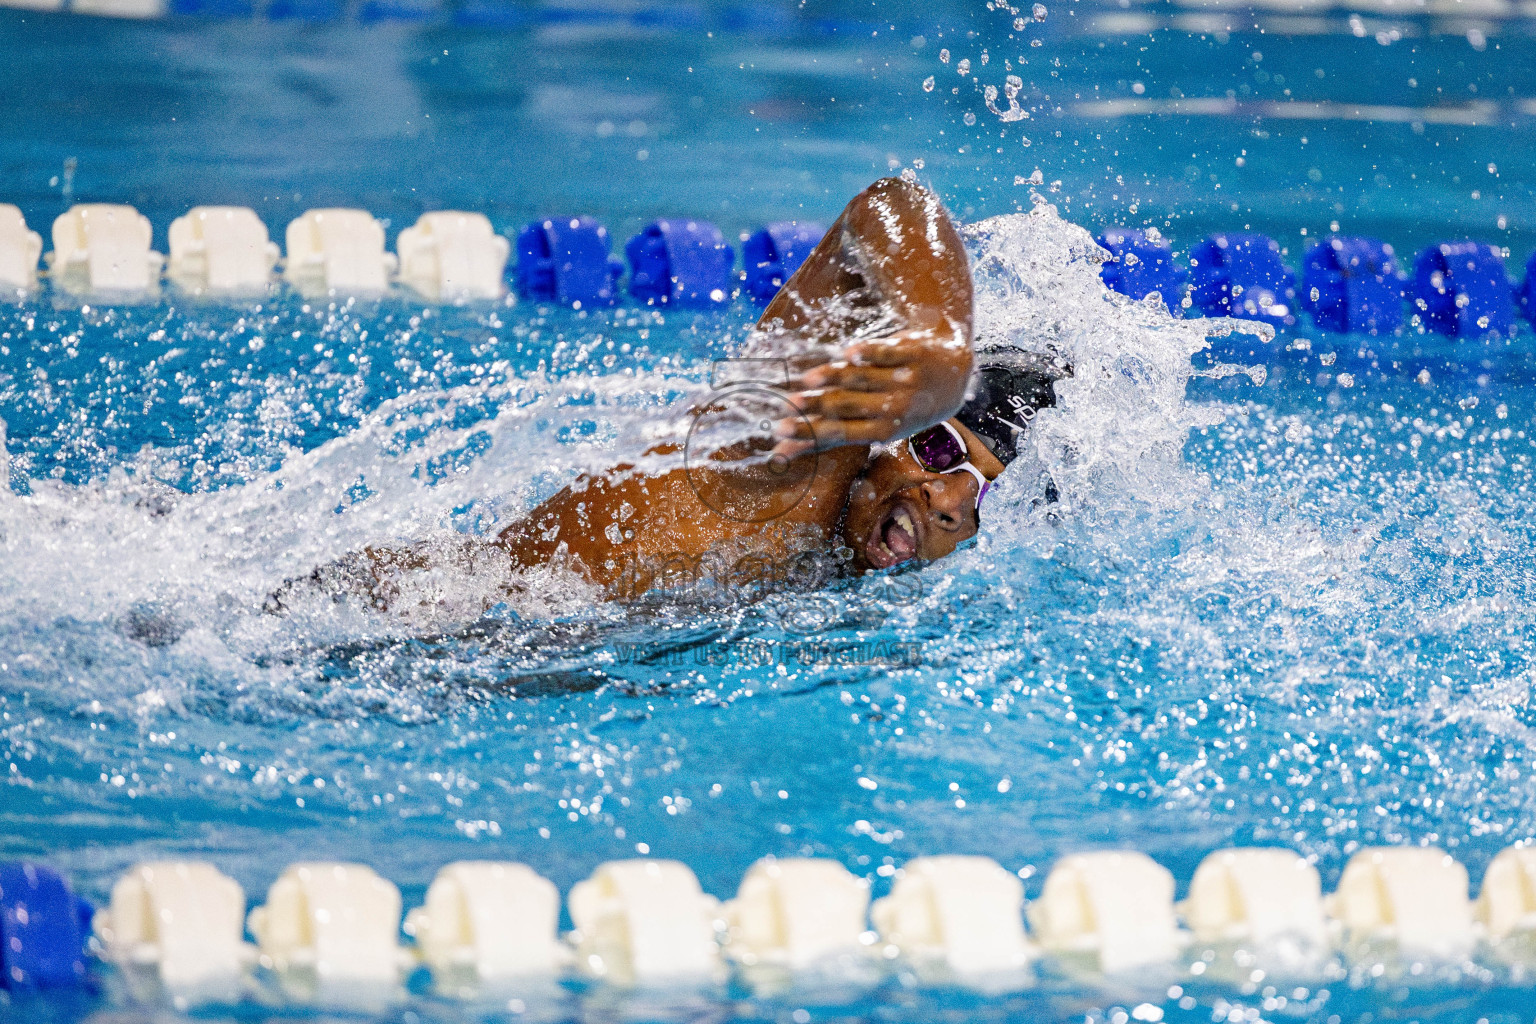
<point>899,511</point>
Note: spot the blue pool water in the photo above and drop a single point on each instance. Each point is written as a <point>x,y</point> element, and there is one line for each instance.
<point>1295,612</point>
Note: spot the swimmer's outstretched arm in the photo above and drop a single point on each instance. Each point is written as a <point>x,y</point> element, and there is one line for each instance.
<point>888,295</point>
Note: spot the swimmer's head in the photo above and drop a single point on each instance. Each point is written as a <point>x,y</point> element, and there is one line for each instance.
<point>899,511</point>
<point>1009,388</point>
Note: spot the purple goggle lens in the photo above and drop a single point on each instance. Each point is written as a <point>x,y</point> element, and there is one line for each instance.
<point>941,449</point>
<point>937,450</point>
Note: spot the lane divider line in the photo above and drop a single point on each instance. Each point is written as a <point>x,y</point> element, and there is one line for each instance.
<point>1350,283</point>
<point>329,926</point>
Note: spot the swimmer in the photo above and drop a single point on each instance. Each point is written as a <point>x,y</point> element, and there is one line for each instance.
<point>871,453</point>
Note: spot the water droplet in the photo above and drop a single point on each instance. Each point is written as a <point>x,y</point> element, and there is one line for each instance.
<point>964,67</point>
<point>970,119</point>
<point>1039,12</point>
<point>928,84</point>
<point>1019,24</point>
<point>1012,86</point>
<point>918,163</point>
<point>943,56</point>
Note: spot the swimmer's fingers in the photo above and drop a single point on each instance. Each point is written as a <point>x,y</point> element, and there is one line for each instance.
<point>899,399</point>
<point>928,375</point>
<point>819,433</point>
<point>854,377</point>
<point>846,392</point>
<point>878,390</point>
<point>840,403</point>
<point>909,348</point>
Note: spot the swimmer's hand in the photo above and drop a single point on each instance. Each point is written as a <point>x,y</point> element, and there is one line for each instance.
<point>877,391</point>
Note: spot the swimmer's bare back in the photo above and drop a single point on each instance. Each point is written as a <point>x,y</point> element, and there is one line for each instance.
<point>876,325</point>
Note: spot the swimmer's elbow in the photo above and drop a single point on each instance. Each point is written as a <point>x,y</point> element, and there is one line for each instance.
<point>896,187</point>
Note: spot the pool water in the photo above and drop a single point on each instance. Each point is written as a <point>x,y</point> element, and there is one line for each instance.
<point>1284,607</point>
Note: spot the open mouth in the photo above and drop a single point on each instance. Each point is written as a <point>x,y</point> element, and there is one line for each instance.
<point>895,539</point>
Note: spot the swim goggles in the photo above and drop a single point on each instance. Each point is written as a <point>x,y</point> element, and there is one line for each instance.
<point>941,449</point>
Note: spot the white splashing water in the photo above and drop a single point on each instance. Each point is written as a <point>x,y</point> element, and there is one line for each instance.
<point>1117,433</point>
<point>94,552</point>
<point>208,560</point>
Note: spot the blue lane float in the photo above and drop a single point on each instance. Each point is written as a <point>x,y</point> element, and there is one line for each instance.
<point>1527,296</point>
<point>213,8</point>
<point>378,12</point>
<point>773,253</point>
<point>1141,265</point>
<point>1242,275</point>
<point>1353,284</point>
<point>43,927</point>
<point>1462,289</point>
<point>680,263</point>
<point>304,10</point>
<point>567,260</point>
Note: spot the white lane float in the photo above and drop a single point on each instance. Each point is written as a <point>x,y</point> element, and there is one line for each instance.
<point>340,922</point>
<point>20,248</point>
<point>1415,897</point>
<point>1507,905</point>
<point>184,919</point>
<point>795,912</point>
<point>1114,906</point>
<point>497,920</point>
<point>119,8</point>
<point>103,247</point>
<point>645,922</point>
<point>337,250</point>
<point>1257,896</point>
<point>966,912</point>
<point>222,249</point>
<point>449,256</point>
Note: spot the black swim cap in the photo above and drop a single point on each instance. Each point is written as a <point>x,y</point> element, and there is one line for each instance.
<point>1011,386</point>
